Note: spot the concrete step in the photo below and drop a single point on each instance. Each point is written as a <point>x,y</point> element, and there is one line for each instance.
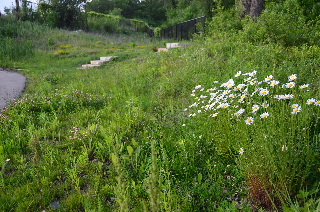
<point>109,58</point>
<point>97,62</point>
<point>106,58</point>
<point>177,45</point>
<point>89,66</point>
<point>162,50</point>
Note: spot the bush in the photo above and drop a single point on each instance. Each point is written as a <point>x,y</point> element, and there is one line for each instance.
<point>113,24</point>
<point>102,23</point>
<point>282,23</point>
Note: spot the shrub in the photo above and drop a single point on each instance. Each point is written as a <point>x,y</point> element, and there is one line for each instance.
<point>282,23</point>
<point>102,23</point>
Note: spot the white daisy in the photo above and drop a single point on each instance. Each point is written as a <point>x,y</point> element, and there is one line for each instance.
<point>264,115</point>
<point>288,96</point>
<point>238,74</point>
<point>255,108</point>
<point>249,120</point>
<point>284,148</point>
<point>253,73</point>
<point>239,87</point>
<point>295,106</point>
<point>274,83</point>
<point>292,77</point>
<point>311,101</point>
<point>268,78</point>
<point>214,115</point>
<point>241,151</point>
<point>263,92</point>
<point>290,85</point>
<point>304,86</point>
<point>239,112</point>
<point>296,110</point>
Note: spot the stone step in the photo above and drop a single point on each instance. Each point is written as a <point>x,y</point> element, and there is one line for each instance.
<point>97,62</point>
<point>109,58</point>
<point>177,45</point>
<point>162,50</point>
<point>106,58</point>
<point>89,66</point>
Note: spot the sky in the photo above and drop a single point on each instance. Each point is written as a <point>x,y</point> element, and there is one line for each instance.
<point>9,3</point>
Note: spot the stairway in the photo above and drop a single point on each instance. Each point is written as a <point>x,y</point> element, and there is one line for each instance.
<point>174,46</point>
<point>96,63</point>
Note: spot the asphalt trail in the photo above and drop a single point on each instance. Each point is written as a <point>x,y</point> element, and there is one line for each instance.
<point>12,85</point>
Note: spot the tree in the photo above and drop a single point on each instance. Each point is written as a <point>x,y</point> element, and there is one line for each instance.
<point>62,13</point>
<point>151,11</point>
<point>208,6</point>
<point>17,9</point>
<point>100,6</point>
<point>253,8</point>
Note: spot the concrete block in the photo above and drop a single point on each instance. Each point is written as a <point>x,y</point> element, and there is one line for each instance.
<point>177,45</point>
<point>89,66</point>
<point>184,45</point>
<point>172,45</point>
<point>97,62</point>
<point>106,59</point>
<point>162,50</point>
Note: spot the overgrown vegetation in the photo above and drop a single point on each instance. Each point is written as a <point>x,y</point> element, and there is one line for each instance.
<point>98,22</point>
<point>230,123</point>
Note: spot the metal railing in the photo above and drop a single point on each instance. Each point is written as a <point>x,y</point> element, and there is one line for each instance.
<point>184,30</point>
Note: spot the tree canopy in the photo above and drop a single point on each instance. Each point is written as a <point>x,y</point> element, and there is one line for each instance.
<point>72,13</point>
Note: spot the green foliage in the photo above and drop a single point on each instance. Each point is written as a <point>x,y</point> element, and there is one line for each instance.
<point>225,21</point>
<point>269,144</point>
<point>15,39</point>
<point>150,11</point>
<point>114,24</point>
<point>62,14</point>
<point>118,137</point>
<point>102,23</point>
<point>283,23</point>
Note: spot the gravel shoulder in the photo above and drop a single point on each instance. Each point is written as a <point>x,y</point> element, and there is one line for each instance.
<point>12,85</point>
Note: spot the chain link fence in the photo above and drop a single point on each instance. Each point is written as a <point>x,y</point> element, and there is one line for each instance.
<point>184,30</point>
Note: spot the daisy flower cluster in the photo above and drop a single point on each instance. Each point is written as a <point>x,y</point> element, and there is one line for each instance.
<point>246,97</point>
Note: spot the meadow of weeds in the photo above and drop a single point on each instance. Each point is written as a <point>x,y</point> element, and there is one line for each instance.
<point>223,125</point>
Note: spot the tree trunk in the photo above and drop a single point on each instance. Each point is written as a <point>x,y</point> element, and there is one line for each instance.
<point>256,7</point>
<point>17,10</point>
<point>17,6</point>
<point>253,8</point>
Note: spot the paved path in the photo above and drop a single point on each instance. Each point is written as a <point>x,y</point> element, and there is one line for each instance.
<point>12,85</point>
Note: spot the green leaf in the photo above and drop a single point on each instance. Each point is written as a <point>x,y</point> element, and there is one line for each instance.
<point>114,158</point>
<point>199,178</point>
<point>130,150</point>
<point>92,127</point>
<point>135,143</point>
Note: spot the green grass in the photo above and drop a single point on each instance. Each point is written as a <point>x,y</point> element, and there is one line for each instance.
<point>118,138</point>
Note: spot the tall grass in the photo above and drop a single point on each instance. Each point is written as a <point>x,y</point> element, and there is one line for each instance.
<point>16,39</point>
<point>118,138</point>
<point>273,126</point>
